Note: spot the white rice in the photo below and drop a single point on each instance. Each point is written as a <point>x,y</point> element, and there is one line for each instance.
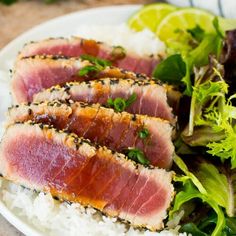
<point>59,219</point>
<point>123,36</point>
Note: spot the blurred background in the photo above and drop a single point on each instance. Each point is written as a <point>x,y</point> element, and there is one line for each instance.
<point>22,15</point>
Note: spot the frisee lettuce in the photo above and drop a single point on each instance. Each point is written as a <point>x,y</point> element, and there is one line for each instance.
<point>212,115</point>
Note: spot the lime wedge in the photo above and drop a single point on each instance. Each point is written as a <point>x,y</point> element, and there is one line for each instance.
<point>182,20</point>
<point>227,24</point>
<point>150,16</point>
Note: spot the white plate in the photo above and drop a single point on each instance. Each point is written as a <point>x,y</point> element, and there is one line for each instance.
<point>61,26</point>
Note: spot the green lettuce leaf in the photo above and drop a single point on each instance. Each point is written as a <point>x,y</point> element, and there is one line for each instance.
<point>171,70</point>
<point>190,192</point>
<point>218,186</point>
<point>208,185</point>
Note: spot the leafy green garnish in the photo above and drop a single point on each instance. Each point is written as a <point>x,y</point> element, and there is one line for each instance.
<point>143,133</point>
<point>192,229</point>
<point>120,104</point>
<point>212,115</point>
<point>171,70</point>
<point>190,52</point>
<point>213,181</point>
<point>193,188</point>
<point>224,148</point>
<point>137,156</point>
<point>230,228</point>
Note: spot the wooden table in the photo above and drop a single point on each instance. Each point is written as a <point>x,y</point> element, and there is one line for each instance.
<point>19,17</point>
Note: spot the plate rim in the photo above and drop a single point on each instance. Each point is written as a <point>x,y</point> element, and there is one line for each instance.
<point>12,218</point>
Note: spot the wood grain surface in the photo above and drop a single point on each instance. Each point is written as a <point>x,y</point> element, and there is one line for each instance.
<point>19,17</point>
<point>22,16</point>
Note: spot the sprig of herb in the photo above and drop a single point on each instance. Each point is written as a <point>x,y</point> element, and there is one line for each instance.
<point>120,104</point>
<point>138,156</point>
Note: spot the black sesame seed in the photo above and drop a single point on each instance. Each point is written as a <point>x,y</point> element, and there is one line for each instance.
<point>134,117</point>
<point>30,111</point>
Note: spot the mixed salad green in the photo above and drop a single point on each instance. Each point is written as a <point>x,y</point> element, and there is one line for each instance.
<point>201,64</point>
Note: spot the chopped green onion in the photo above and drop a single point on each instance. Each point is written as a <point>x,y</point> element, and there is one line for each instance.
<point>95,60</point>
<point>120,104</point>
<point>98,65</point>
<point>137,156</point>
<point>110,102</point>
<point>87,69</point>
<point>131,99</point>
<point>144,133</point>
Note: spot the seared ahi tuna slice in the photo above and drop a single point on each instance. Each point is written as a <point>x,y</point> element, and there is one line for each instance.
<point>33,74</point>
<point>27,150</point>
<point>117,131</point>
<point>151,96</point>
<point>75,47</point>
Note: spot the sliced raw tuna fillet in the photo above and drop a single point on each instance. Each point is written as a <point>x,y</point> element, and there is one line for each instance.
<point>103,126</point>
<point>75,47</point>
<point>151,96</point>
<point>33,74</point>
<point>73,169</point>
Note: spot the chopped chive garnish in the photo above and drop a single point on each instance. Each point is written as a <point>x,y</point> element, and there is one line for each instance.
<point>144,133</point>
<point>137,156</point>
<point>120,104</point>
